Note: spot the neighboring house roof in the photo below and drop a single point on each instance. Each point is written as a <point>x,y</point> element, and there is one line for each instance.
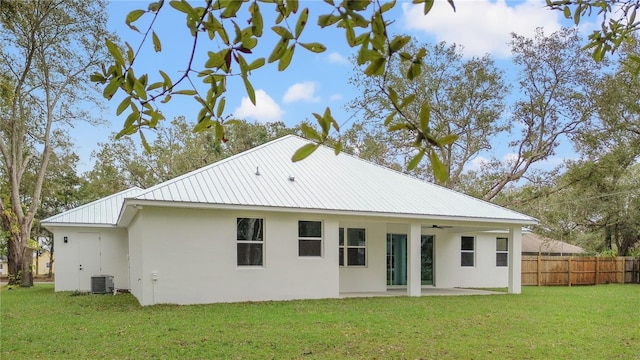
<point>265,177</point>
<point>533,243</point>
<point>103,211</point>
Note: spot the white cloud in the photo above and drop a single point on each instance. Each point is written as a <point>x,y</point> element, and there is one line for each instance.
<point>554,161</point>
<point>478,163</point>
<point>265,110</point>
<point>335,97</point>
<point>301,92</point>
<point>336,58</point>
<point>482,26</point>
<point>509,158</point>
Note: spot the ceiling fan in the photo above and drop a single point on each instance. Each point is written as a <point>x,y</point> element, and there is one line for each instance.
<point>442,226</point>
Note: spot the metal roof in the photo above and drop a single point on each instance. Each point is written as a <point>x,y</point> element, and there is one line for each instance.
<point>266,177</point>
<point>104,211</point>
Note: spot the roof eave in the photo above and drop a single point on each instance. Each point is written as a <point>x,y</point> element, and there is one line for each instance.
<point>132,205</point>
<point>128,211</point>
<point>51,225</point>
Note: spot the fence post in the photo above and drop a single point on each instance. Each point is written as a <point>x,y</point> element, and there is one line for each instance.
<point>569,268</point>
<point>539,271</point>
<point>597,269</point>
<point>624,269</point>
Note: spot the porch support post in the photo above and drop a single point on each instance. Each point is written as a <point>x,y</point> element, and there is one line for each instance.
<point>413,259</point>
<point>515,260</point>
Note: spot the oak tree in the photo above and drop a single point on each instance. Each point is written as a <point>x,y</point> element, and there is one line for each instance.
<point>466,101</point>
<point>49,48</point>
<point>554,103</point>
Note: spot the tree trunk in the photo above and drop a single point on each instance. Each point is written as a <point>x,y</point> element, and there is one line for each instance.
<point>27,255</point>
<point>50,275</point>
<point>20,255</point>
<point>14,259</point>
<point>607,237</point>
<point>20,260</point>
<point>27,272</point>
<point>628,239</point>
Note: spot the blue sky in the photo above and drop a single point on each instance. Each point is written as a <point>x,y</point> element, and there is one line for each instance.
<point>315,81</point>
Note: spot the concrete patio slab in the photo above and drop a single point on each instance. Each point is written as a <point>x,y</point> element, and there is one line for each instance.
<point>425,292</point>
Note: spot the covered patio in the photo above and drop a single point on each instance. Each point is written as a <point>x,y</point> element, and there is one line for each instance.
<point>426,291</point>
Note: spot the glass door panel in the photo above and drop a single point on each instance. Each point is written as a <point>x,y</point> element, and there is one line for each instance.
<point>396,259</point>
<point>426,254</point>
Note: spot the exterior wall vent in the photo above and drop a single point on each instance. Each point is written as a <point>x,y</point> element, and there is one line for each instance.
<point>102,284</point>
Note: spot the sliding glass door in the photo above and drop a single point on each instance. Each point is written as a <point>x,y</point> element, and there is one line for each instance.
<point>426,259</point>
<point>397,259</point>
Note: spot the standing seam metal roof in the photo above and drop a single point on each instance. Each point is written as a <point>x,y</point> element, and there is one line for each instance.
<point>323,181</point>
<point>103,211</point>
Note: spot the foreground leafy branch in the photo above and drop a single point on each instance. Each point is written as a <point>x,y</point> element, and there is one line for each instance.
<point>618,22</point>
<point>365,27</point>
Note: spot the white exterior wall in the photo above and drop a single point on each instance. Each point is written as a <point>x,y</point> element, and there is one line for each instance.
<point>448,271</point>
<point>371,277</point>
<point>136,252</point>
<point>107,257</point>
<point>193,253</point>
<point>515,260</point>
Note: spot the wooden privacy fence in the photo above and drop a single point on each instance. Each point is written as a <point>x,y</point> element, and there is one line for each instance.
<point>568,270</point>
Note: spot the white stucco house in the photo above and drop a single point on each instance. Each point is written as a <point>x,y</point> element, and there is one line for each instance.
<point>257,226</point>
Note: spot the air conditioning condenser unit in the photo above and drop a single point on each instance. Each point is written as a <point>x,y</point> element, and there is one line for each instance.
<point>102,284</point>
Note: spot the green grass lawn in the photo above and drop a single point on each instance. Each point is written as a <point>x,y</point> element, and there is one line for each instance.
<point>594,322</point>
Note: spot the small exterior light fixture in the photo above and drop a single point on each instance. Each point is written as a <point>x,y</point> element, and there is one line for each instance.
<point>65,239</point>
<point>292,178</point>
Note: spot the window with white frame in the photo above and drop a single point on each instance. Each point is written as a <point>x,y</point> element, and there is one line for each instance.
<point>352,247</point>
<point>310,238</point>
<point>250,242</point>
<point>502,251</point>
<point>467,251</point>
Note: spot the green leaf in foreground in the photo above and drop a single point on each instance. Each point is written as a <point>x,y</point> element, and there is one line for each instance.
<point>250,91</point>
<point>133,16</point>
<point>115,52</point>
<point>338,148</point>
<point>439,170</point>
<point>304,152</point>
<point>447,140</point>
<point>314,47</point>
<point>310,132</point>
<point>186,92</point>
<point>416,160</point>
<point>286,58</point>
<point>157,46</point>
<point>123,105</point>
